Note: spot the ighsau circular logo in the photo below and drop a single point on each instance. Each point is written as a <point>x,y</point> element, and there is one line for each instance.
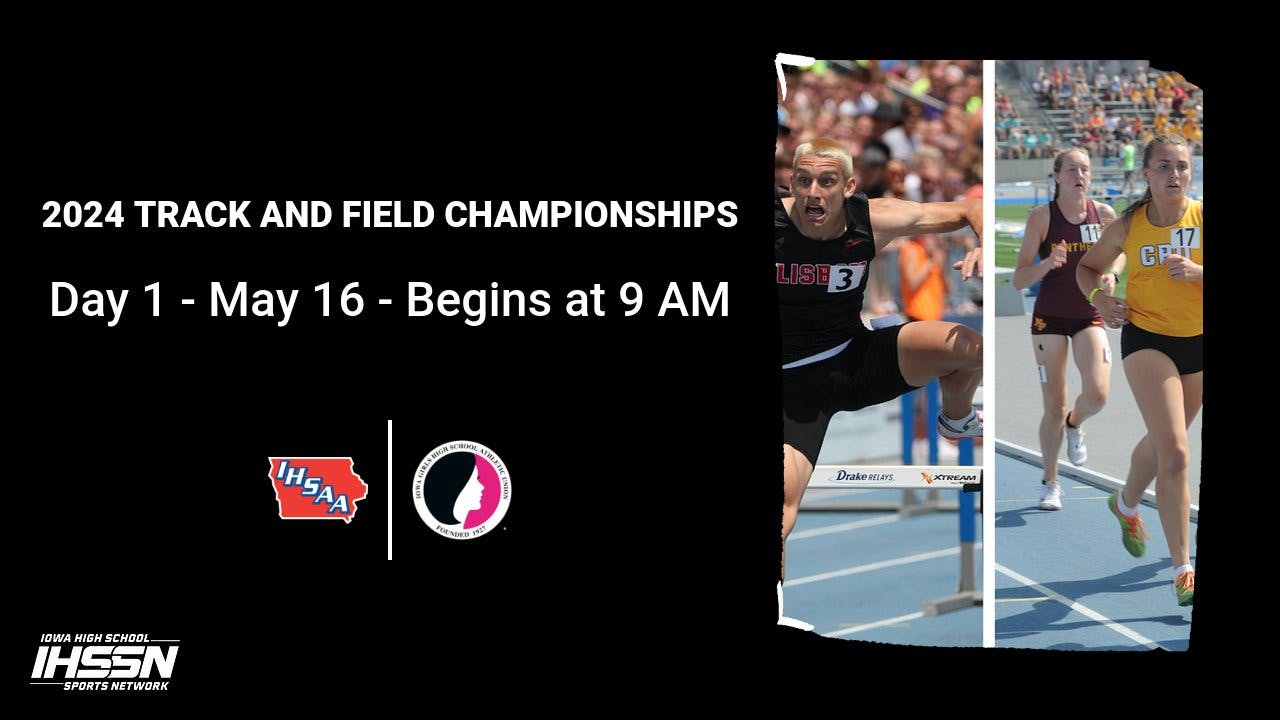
<point>462,490</point>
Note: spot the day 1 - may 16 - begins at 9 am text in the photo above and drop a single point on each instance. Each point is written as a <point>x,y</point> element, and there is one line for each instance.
<point>421,299</point>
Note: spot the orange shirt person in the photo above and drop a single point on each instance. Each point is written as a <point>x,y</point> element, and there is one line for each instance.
<point>924,287</point>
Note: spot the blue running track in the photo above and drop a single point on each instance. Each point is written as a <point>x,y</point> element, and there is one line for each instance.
<point>1065,582</point>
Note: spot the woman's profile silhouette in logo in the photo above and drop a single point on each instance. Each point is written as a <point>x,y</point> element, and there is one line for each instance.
<point>453,489</point>
<point>461,490</point>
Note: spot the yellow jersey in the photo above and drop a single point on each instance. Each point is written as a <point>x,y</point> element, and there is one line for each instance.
<point>1157,302</point>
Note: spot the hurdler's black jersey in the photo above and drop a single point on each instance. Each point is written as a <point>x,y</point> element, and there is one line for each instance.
<point>821,282</point>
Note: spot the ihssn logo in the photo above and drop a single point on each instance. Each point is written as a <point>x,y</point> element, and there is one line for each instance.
<point>111,657</point>
<point>325,488</point>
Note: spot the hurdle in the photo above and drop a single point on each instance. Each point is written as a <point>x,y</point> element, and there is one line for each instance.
<point>965,478</point>
<point>907,477</point>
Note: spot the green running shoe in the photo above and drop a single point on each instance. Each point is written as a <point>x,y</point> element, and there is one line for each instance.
<point>1132,532</point>
<point>1185,587</point>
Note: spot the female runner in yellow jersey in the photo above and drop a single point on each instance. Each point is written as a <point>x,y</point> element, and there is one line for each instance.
<point>1162,342</point>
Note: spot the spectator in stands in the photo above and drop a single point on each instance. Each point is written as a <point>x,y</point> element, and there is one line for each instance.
<point>824,123</point>
<point>1179,97</point>
<point>1029,142</point>
<point>972,87</point>
<point>782,163</point>
<point>877,87</point>
<point>973,173</point>
<point>863,131</point>
<point>895,179</point>
<point>1089,141</point>
<point>808,92</point>
<point>927,174</point>
<point>1108,145</point>
<point>953,182</point>
<point>1097,118</point>
<point>845,133</point>
<point>1079,123</point>
<point>1013,146</point>
<point>922,280</point>
<point>902,140</point>
<point>1079,94</point>
<point>861,101</point>
<point>1190,131</point>
<point>1124,129</point>
<point>1046,143</point>
<point>869,168</point>
<point>885,117</point>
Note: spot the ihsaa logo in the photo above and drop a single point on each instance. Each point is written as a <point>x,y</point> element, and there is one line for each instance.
<point>319,488</point>
<point>462,490</point>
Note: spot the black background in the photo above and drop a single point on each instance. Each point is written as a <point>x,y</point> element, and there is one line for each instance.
<point>639,448</point>
<point>642,450</point>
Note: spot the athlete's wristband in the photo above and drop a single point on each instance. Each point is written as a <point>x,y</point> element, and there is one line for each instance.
<point>1092,293</point>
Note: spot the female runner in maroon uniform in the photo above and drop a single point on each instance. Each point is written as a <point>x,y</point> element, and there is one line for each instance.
<point>1060,233</point>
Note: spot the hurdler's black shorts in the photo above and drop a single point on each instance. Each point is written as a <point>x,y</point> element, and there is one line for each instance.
<point>1187,353</point>
<point>865,373</point>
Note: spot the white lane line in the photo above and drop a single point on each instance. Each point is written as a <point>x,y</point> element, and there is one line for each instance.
<point>842,527</point>
<point>1073,498</point>
<point>919,557</point>
<point>1106,483</point>
<point>1083,610</point>
<point>878,623</point>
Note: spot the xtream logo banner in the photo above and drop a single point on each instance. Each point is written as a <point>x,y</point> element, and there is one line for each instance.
<point>121,662</point>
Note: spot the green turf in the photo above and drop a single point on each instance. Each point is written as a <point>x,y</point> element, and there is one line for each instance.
<point>1007,244</point>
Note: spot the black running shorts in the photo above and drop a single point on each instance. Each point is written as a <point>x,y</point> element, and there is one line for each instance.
<point>865,373</point>
<point>1187,353</point>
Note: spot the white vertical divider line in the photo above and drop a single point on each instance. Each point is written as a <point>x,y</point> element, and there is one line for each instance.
<point>391,496</point>
<point>990,414</point>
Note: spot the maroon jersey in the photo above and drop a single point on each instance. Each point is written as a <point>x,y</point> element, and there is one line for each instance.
<point>1059,294</point>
